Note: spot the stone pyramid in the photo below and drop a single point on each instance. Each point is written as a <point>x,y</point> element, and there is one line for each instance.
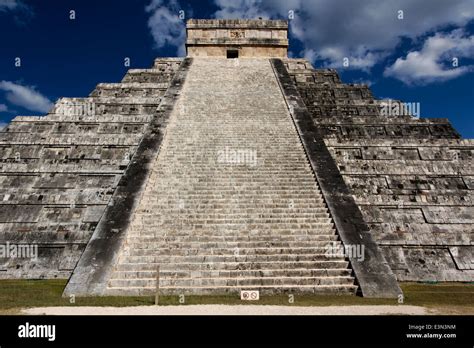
<point>235,168</point>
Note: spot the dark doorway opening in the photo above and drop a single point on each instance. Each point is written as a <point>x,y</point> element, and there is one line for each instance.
<point>232,54</point>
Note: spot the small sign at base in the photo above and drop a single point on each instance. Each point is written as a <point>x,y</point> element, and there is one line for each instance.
<point>250,295</point>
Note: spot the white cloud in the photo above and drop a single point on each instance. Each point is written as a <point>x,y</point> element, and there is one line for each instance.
<point>15,5</point>
<point>3,108</point>
<point>434,61</point>
<point>166,26</point>
<point>2,125</point>
<point>26,97</point>
<point>235,9</point>
<point>364,82</point>
<point>9,4</point>
<point>366,31</point>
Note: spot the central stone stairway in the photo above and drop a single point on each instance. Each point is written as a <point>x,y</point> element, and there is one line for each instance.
<point>231,203</point>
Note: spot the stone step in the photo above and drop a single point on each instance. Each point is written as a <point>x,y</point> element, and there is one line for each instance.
<point>184,207</point>
<point>227,251</point>
<point>180,231</point>
<point>231,186</point>
<point>172,205</point>
<point>244,201</point>
<point>234,173</point>
<point>223,226</point>
<point>253,180</point>
<point>230,189</point>
<point>200,258</point>
<point>206,266</point>
<point>212,151</point>
<point>201,209</point>
<point>240,165</point>
<point>248,183</point>
<point>232,238</point>
<point>267,231</point>
<point>234,218</point>
<point>264,290</point>
<point>242,195</point>
<point>303,272</point>
<point>177,227</point>
<point>241,200</point>
<point>187,209</point>
<point>236,208</point>
<point>236,282</point>
<point>156,244</point>
<point>181,226</point>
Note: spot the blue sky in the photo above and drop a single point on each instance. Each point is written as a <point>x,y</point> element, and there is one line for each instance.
<point>404,49</point>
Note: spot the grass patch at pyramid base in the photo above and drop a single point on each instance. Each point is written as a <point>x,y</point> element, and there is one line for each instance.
<point>15,294</point>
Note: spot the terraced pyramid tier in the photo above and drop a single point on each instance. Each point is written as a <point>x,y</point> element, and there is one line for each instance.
<point>231,203</point>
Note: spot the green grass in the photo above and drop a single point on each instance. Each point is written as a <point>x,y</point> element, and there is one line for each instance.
<point>439,294</point>
<point>41,293</point>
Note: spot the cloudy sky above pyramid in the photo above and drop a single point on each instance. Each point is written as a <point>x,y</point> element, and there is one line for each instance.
<point>418,51</point>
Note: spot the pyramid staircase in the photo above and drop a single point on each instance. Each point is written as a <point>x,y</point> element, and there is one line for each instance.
<point>231,202</point>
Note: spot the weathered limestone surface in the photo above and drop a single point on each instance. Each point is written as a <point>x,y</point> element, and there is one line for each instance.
<point>373,274</point>
<point>251,38</point>
<point>100,256</point>
<point>215,225</point>
<point>59,172</point>
<point>411,178</point>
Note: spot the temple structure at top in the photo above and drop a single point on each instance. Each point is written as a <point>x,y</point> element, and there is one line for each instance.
<point>237,38</point>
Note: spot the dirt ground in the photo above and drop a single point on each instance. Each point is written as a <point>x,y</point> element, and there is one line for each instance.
<point>230,310</point>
